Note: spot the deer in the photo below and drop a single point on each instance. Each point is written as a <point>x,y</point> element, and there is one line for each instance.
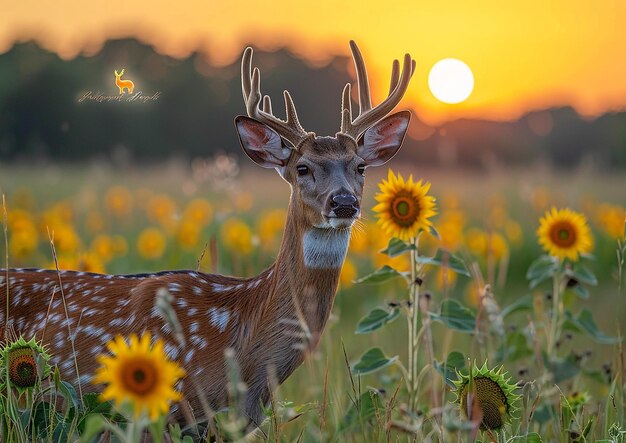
<point>268,323</point>
<point>123,84</point>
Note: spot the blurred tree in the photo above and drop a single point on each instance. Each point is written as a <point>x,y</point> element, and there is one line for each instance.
<point>41,118</point>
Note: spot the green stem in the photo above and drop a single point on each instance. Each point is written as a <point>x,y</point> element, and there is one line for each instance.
<point>411,310</point>
<point>415,317</point>
<point>557,311</point>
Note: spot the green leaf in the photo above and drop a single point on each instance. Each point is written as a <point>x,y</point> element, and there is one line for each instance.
<point>524,303</point>
<point>69,393</point>
<point>516,348</point>
<point>582,274</point>
<point>397,247</point>
<point>365,409</point>
<point>373,360</point>
<point>442,257</point>
<point>563,368</point>
<point>92,403</point>
<point>93,427</point>
<point>533,437</point>
<point>383,274</point>
<point>541,269</point>
<point>432,231</point>
<point>581,291</point>
<point>61,432</point>
<point>447,369</point>
<point>543,414</point>
<point>44,416</point>
<point>585,323</point>
<point>455,316</point>
<point>376,319</point>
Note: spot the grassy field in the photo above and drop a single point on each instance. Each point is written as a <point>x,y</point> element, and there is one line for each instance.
<point>162,217</point>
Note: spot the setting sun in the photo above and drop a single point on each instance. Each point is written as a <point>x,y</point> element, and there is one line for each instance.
<point>451,81</point>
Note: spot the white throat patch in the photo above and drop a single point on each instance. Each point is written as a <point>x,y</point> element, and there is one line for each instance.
<point>325,248</point>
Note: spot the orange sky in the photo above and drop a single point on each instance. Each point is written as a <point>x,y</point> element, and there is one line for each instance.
<point>538,54</point>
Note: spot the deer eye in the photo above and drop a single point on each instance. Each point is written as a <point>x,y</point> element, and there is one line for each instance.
<point>302,169</point>
<point>361,169</point>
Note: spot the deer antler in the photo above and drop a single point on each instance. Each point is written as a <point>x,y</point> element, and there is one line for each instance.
<point>290,130</point>
<point>368,116</point>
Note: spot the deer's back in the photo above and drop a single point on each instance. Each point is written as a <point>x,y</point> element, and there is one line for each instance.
<point>89,310</point>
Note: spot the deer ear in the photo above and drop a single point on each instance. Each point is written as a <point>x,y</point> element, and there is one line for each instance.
<point>381,142</point>
<point>261,143</point>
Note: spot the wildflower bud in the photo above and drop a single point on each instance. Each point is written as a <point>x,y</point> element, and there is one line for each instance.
<point>409,303</point>
<point>393,304</point>
<point>427,295</point>
<point>418,281</point>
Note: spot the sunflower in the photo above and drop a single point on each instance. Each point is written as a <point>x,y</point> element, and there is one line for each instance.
<point>26,363</point>
<point>151,243</point>
<point>403,206</point>
<point>494,395</point>
<point>237,236</point>
<point>564,233</point>
<point>139,373</point>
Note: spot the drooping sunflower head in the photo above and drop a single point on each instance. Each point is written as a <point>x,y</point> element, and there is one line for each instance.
<point>404,207</point>
<point>140,374</point>
<point>489,390</point>
<point>564,233</point>
<point>26,363</point>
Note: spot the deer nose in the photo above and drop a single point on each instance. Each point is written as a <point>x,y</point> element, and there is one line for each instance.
<point>344,205</point>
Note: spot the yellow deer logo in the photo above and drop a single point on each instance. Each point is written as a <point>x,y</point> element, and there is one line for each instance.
<point>123,84</point>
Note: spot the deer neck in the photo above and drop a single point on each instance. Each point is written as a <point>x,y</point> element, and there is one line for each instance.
<point>307,271</point>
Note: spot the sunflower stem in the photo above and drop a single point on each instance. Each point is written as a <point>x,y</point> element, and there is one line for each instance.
<point>557,311</point>
<point>411,333</point>
<point>414,321</point>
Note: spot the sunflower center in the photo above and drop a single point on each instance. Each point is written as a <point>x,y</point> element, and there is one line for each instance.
<point>563,234</point>
<point>491,400</point>
<point>139,377</point>
<point>402,208</point>
<point>25,370</point>
<point>405,209</point>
